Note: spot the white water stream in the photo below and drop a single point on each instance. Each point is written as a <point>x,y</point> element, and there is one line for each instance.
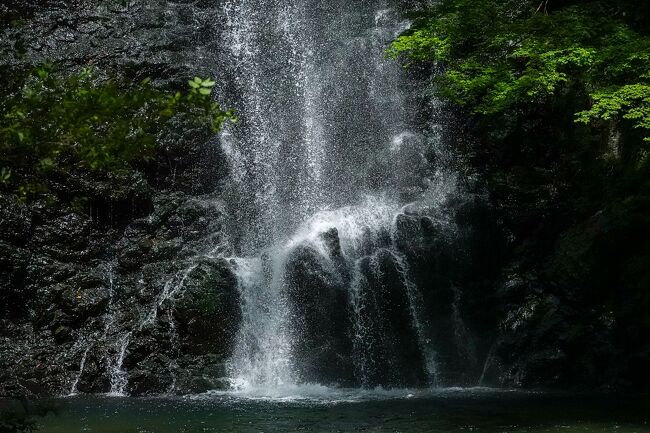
<point>327,141</point>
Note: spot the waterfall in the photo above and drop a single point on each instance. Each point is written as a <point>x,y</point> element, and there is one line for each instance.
<point>262,356</point>
<point>326,159</point>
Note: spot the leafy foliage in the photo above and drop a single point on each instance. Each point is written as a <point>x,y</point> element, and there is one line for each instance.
<point>56,123</point>
<point>502,55</point>
<point>631,102</point>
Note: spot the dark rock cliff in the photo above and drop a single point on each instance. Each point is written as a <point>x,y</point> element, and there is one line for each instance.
<point>118,292</point>
<point>75,293</point>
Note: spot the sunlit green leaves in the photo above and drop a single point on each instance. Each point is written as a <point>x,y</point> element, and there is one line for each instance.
<point>502,54</point>
<point>201,86</point>
<point>514,70</point>
<point>631,102</point>
<point>420,46</point>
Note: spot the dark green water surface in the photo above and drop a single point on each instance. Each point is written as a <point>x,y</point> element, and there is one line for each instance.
<point>477,410</point>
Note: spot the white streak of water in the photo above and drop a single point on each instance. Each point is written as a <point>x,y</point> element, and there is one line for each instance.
<point>326,143</point>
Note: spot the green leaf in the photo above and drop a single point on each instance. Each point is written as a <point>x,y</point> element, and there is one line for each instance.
<point>46,162</point>
<point>5,175</point>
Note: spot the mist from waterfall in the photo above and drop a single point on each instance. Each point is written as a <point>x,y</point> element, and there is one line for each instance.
<point>325,162</point>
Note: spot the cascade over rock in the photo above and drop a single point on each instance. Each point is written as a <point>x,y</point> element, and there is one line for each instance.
<point>390,352</point>
<point>283,252</point>
<point>324,166</point>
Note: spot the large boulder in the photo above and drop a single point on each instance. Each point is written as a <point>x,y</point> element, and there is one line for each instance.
<point>316,286</point>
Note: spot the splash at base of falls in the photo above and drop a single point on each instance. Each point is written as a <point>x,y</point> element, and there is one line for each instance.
<point>262,354</point>
<point>334,305</point>
<point>319,394</point>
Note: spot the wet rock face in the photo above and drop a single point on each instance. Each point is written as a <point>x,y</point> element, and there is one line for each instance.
<point>77,281</point>
<point>319,297</point>
<point>430,250</point>
<point>389,353</point>
<point>185,349</point>
<point>146,36</point>
<point>208,310</point>
<point>71,298</point>
<point>553,306</point>
<point>576,319</point>
<point>545,341</point>
<point>353,322</point>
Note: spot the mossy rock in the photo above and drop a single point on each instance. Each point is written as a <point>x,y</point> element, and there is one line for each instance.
<point>208,311</point>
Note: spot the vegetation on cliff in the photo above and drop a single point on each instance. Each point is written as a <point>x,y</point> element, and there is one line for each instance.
<point>54,124</point>
<point>556,97</point>
<point>583,58</point>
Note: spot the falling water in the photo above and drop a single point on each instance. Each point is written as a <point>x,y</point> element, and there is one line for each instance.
<point>113,340</point>
<point>326,157</point>
<point>119,377</point>
<point>82,366</point>
<point>262,356</point>
<point>415,304</point>
<point>90,342</point>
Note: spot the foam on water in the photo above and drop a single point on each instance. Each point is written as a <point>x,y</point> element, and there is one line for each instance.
<point>319,394</point>
<point>351,222</point>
